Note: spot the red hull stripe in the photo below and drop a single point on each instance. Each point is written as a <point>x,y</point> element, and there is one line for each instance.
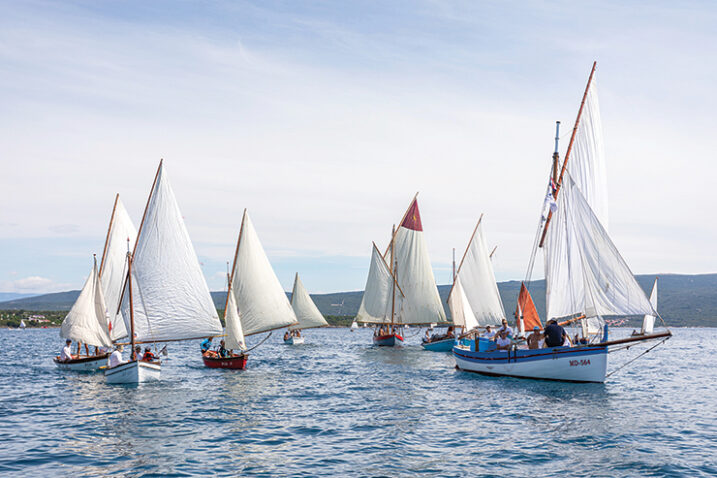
<point>236,363</point>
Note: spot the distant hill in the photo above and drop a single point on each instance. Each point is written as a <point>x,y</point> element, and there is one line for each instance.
<point>683,300</point>
<point>5,296</point>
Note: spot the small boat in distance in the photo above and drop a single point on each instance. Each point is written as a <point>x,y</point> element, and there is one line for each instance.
<point>307,313</point>
<point>22,324</point>
<point>648,321</point>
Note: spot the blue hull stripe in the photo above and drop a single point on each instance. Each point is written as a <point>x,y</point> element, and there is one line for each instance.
<point>527,355</point>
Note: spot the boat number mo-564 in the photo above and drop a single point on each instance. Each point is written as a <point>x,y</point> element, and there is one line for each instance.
<point>575,363</point>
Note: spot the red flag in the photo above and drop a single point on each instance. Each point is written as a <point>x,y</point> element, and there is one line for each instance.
<point>526,305</point>
<point>412,219</point>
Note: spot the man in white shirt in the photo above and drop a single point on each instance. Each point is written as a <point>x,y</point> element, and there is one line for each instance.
<point>503,342</point>
<point>489,333</point>
<point>505,327</point>
<point>66,354</point>
<point>116,357</point>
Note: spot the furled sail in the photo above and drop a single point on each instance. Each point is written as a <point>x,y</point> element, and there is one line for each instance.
<point>170,295</point>
<point>461,311</point>
<point>379,294</point>
<point>478,281</point>
<point>261,301</point>
<point>648,322</point>
<point>113,268</point>
<point>87,320</point>
<point>235,334</point>
<point>608,284</point>
<point>413,272</point>
<point>306,311</point>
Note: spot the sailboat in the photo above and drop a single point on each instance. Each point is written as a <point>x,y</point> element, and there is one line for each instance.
<point>586,277</point>
<point>22,324</point>
<point>166,297</point>
<point>306,312</point>
<point>87,323</point>
<point>256,302</point>
<point>648,321</point>
<point>474,298</point>
<point>401,289</point>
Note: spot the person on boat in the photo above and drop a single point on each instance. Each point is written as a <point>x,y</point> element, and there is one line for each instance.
<point>503,342</point>
<point>66,354</point>
<point>286,336</point>
<point>555,335</point>
<point>223,352</point>
<point>148,355</point>
<point>206,345</point>
<point>116,357</point>
<point>427,338</point>
<point>506,327</point>
<point>489,332</point>
<point>137,354</point>
<point>298,333</point>
<point>449,333</point>
<point>534,338</point>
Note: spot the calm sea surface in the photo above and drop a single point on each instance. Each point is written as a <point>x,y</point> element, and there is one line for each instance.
<point>337,406</point>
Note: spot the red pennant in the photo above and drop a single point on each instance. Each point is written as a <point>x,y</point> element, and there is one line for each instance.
<point>412,220</point>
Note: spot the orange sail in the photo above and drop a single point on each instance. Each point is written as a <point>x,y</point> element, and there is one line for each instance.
<point>527,307</point>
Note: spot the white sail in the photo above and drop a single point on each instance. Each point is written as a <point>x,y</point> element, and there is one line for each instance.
<point>413,272</point>
<point>608,284</point>
<point>87,320</point>
<point>262,302</point>
<point>378,294</point>
<point>22,324</point>
<point>648,322</point>
<point>234,332</point>
<point>113,269</point>
<point>461,311</point>
<point>478,281</point>
<point>170,295</point>
<point>306,311</point>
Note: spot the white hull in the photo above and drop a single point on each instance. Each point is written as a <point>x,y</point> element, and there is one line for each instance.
<point>85,365</point>
<point>564,366</point>
<point>294,341</point>
<point>133,372</point>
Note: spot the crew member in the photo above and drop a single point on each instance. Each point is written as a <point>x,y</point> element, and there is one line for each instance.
<point>66,354</point>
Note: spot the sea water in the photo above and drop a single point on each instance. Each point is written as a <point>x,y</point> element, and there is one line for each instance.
<point>337,406</point>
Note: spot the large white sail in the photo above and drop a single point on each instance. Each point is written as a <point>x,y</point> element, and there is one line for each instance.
<point>609,286</point>
<point>648,322</point>
<point>413,272</point>
<point>87,320</point>
<point>478,281</point>
<point>461,311</point>
<point>235,334</point>
<point>113,268</point>
<point>170,295</point>
<point>306,311</point>
<point>378,295</point>
<point>261,301</point>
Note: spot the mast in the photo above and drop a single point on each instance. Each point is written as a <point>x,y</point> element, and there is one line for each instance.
<point>234,264</point>
<point>454,265</point>
<point>393,270</point>
<point>567,153</point>
<point>556,154</point>
<point>107,239</point>
<point>131,304</point>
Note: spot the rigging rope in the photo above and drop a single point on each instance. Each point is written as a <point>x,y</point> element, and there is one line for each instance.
<point>262,341</point>
<point>630,361</point>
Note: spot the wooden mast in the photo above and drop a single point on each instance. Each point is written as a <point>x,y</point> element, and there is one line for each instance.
<point>234,264</point>
<point>107,239</point>
<point>393,271</point>
<point>131,304</point>
<point>567,153</point>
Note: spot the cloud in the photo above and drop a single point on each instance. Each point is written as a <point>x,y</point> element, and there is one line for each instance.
<point>35,284</point>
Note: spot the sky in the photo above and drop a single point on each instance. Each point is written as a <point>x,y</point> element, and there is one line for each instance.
<point>325,118</point>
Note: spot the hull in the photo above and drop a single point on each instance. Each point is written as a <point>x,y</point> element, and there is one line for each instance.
<point>388,340</point>
<point>234,363</point>
<point>445,345</point>
<point>133,372</point>
<point>93,363</point>
<point>294,341</point>
<point>571,364</point>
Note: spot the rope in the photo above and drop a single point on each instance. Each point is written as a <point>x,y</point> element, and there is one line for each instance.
<point>262,341</point>
<point>630,361</point>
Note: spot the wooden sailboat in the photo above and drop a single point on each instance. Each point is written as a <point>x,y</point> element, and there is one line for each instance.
<point>401,289</point>
<point>22,324</point>
<point>87,323</point>
<point>307,313</point>
<point>256,302</point>
<point>474,298</point>
<point>586,277</point>
<point>166,297</point>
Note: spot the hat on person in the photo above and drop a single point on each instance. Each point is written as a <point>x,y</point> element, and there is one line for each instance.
<point>536,328</point>
<point>68,341</point>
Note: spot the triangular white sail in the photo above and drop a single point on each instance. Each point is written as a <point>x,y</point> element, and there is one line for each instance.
<point>608,284</point>
<point>113,269</point>
<point>170,295</point>
<point>461,311</point>
<point>234,332</point>
<point>378,295</point>
<point>261,301</point>
<point>478,281</point>
<point>22,324</point>
<point>414,274</point>
<point>648,322</point>
<point>306,311</point>
<point>87,320</point>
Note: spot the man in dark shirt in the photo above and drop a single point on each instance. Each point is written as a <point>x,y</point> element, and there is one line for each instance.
<point>554,334</point>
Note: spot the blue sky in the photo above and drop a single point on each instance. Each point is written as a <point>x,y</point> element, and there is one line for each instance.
<point>324,118</point>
